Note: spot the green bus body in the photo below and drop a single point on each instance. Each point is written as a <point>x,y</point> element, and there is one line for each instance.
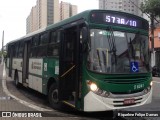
<point>60,61</point>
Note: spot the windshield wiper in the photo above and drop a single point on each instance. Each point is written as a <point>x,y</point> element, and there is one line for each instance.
<point>132,50</point>
<point>129,56</point>
<point>102,62</point>
<point>99,59</point>
<point>112,45</point>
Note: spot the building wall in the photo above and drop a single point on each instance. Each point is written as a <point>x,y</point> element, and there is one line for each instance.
<point>31,21</point>
<point>120,5</point>
<point>50,12</point>
<point>34,19</point>
<point>28,24</point>
<point>155,58</point>
<point>67,10</point>
<point>156,38</point>
<point>45,12</point>
<point>74,10</point>
<point>56,11</point>
<point>38,13</point>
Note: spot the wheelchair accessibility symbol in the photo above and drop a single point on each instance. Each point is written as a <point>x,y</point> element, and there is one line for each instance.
<point>134,67</point>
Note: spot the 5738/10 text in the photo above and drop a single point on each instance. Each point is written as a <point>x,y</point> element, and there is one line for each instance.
<point>119,20</point>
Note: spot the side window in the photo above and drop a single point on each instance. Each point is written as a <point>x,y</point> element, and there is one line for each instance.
<point>42,48</point>
<point>35,41</point>
<point>16,49</point>
<point>8,51</point>
<point>20,50</point>
<point>13,48</point>
<point>44,39</point>
<point>53,48</point>
<point>34,46</point>
<point>55,37</point>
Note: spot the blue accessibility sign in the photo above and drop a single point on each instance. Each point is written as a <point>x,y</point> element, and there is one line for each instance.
<point>134,67</point>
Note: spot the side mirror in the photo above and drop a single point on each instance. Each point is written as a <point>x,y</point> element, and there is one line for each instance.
<point>85,39</point>
<point>84,34</point>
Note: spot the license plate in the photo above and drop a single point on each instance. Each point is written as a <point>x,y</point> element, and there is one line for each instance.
<point>128,101</point>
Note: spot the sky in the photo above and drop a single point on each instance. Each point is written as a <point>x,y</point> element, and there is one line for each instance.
<point>13,14</point>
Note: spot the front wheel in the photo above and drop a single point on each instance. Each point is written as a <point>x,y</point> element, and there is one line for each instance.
<point>53,96</point>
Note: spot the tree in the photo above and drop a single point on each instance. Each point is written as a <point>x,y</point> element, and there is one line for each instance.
<point>4,53</point>
<point>151,7</point>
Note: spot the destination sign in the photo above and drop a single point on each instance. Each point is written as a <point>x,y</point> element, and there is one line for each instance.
<point>119,18</point>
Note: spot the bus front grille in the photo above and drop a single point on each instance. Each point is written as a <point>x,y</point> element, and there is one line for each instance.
<point>127,92</point>
<point>126,80</point>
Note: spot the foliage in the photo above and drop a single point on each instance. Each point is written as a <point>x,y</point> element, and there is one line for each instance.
<point>4,53</point>
<point>152,7</point>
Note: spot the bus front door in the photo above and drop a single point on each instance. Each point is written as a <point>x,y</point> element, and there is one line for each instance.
<point>69,81</point>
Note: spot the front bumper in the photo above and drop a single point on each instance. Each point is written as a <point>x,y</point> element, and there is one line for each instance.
<point>94,102</point>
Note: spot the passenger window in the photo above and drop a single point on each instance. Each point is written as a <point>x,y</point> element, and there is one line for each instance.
<point>35,41</point>
<point>21,48</point>
<point>44,38</point>
<point>53,50</point>
<point>34,48</point>
<point>14,50</point>
<point>42,48</point>
<point>33,52</point>
<point>55,37</point>
<point>53,47</point>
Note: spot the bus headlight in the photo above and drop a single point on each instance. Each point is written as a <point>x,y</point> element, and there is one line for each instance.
<point>151,83</point>
<point>93,87</point>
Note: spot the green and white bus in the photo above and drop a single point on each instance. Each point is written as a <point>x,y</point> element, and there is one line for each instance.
<point>97,60</point>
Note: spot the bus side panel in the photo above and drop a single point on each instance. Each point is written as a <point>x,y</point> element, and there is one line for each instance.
<point>35,83</point>
<point>35,74</point>
<point>50,70</point>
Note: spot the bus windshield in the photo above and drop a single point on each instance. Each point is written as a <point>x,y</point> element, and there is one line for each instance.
<point>118,52</point>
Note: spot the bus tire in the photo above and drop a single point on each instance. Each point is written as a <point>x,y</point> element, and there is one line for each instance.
<point>53,96</point>
<point>16,80</point>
